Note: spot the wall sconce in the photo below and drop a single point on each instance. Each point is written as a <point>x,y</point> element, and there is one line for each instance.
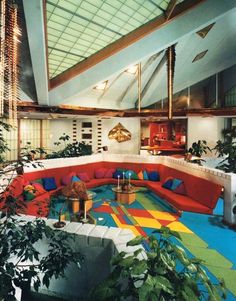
<point>101,148</point>
<point>132,70</point>
<point>101,86</point>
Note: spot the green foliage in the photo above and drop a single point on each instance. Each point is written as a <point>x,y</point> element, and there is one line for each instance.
<point>199,148</point>
<point>27,150</point>
<point>3,146</point>
<point>227,149</point>
<point>21,262</point>
<point>75,149</point>
<point>167,274</point>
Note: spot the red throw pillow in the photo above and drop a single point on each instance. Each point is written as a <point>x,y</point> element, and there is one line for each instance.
<point>100,173</point>
<point>66,180</point>
<point>109,173</point>
<point>180,189</point>
<point>83,176</point>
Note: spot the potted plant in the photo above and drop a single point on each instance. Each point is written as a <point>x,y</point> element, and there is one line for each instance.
<point>75,149</point>
<point>166,273</point>
<point>197,149</point>
<point>227,151</point>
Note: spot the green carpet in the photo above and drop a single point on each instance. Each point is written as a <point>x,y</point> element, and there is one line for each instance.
<point>228,275</point>
<point>192,240</point>
<point>147,202</point>
<point>216,263</point>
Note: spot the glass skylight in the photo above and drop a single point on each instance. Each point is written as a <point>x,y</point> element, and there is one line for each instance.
<point>79,28</point>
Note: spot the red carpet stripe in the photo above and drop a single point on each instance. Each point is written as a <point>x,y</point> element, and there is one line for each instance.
<point>139,213</point>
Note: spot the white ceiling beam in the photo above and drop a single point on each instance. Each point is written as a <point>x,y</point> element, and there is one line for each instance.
<point>166,35</point>
<point>34,16</point>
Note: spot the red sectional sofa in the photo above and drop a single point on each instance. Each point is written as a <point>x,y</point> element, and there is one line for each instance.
<point>201,195</point>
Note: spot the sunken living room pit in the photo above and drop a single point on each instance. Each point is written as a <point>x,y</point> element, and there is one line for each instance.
<point>199,190</point>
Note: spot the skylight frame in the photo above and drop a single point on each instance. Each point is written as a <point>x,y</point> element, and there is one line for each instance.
<point>120,18</point>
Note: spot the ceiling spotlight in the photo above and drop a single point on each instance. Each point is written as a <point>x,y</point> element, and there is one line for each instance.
<point>132,70</point>
<point>101,86</point>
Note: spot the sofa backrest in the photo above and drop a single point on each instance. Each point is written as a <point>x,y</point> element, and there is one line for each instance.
<point>199,189</point>
<point>59,172</point>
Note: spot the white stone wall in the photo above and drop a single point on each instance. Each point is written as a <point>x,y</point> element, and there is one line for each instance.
<point>98,244</point>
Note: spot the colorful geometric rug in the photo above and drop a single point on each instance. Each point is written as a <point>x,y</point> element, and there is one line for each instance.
<point>149,212</point>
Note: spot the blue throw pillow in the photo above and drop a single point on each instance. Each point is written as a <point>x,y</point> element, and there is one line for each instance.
<point>49,184</point>
<point>154,176</point>
<point>75,179</point>
<point>168,183</point>
<point>176,183</point>
<point>118,173</point>
<point>145,175</point>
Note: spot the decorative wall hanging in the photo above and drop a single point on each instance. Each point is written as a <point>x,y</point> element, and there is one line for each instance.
<point>120,133</point>
<point>9,87</point>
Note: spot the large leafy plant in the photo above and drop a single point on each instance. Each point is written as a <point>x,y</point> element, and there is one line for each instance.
<point>227,151</point>
<point>3,145</point>
<point>199,148</point>
<point>166,274</point>
<point>21,264</point>
<point>75,149</point>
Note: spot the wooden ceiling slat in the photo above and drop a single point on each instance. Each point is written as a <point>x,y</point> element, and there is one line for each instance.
<point>72,110</point>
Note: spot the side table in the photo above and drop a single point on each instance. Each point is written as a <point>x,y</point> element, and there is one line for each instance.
<point>125,197</point>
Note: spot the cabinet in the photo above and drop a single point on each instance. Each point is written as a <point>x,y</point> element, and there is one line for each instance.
<point>163,131</point>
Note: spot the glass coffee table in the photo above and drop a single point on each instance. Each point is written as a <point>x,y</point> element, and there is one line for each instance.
<point>72,209</point>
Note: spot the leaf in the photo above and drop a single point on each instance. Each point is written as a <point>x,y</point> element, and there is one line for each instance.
<point>180,253</point>
<point>151,255</point>
<point>190,293</point>
<point>46,280</point>
<point>136,241</point>
<point>104,293</point>
<point>139,268</point>
<point>127,262</point>
<point>36,285</point>
<point>116,259</point>
<point>137,252</point>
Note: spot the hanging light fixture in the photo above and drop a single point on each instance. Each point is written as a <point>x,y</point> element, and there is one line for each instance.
<point>170,52</point>
<point>9,87</point>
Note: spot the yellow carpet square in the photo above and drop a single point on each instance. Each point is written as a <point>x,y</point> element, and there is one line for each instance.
<point>125,226</point>
<point>162,215</point>
<point>147,222</point>
<point>178,226</point>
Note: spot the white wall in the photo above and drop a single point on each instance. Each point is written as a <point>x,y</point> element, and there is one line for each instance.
<point>205,128</point>
<point>57,128</point>
<point>128,147</point>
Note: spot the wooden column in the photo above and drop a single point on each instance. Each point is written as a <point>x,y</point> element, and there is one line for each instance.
<point>41,135</point>
<point>170,78</point>
<point>18,138</point>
